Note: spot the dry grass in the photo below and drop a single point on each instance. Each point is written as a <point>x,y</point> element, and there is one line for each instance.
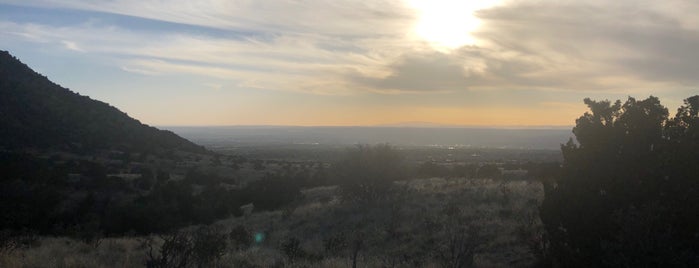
<point>416,223</point>
<point>66,252</point>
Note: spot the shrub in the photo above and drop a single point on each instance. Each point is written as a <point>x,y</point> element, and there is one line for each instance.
<point>175,251</point>
<point>182,249</point>
<point>292,249</point>
<point>272,192</point>
<point>241,238</point>
<point>367,173</point>
<point>208,245</point>
<point>12,240</point>
<point>459,248</point>
<point>335,244</point>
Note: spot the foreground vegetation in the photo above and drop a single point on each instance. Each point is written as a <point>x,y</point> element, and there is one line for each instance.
<point>426,222</point>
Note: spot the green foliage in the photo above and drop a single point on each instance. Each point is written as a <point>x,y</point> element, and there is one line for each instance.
<point>241,238</point>
<point>175,251</point>
<point>292,249</point>
<point>76,198</point>
<point>209,245</point>
<point>170,206</point>
<point>488,171</point>
<point>459,248</point>
<point>630,162</point>
<point>335,244</point>
<point>367,173</point>
<point>27,205</point>
<point>272,192</point>
<point>432,169</point>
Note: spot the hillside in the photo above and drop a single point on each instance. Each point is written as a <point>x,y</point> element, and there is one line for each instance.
<point>37,113</point>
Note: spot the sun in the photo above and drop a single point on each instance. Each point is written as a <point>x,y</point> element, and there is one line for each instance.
<point>448,24</point>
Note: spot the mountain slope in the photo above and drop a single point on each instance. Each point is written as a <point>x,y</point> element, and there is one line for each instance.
<point>37,113</point>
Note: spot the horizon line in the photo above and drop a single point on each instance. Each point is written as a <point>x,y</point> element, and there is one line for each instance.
<point>399,125</point>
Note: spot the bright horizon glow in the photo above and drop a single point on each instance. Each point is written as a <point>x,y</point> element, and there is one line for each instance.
<point>448,24</point>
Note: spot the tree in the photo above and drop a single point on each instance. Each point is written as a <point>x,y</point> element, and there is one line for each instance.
<point>272,192</point>
<point>367,173</point>
<point>630,161</point>
<point>489,171</point>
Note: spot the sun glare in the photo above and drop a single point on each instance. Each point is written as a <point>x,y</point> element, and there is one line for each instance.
<point>448,24</point>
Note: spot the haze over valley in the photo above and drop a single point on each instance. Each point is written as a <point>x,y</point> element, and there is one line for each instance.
<point>520,138</point>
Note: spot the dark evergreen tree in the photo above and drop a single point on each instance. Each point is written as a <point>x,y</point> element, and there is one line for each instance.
<point>627,192</point>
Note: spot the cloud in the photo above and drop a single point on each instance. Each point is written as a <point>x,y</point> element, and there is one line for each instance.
<point>418,72</point>
<point>621,44</point>
<point>311,43</point>
<point>473,68</point>
<point>136,70</point>
<point>72,46</point>
<point>354,47</point>
<point>291,62</point>
<point>346,18</point>
<point>591,46</point>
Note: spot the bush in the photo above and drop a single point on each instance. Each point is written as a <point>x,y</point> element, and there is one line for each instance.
<point>209,245</point>
<point>13,240</point>
<point>182,249</point>
<point>367,173</point>
<point>241,238</point>
<point>272,192</point>
<point>175,251</point>
<point>335,244</point>
<point>292,249</point>
<point>459,248</point>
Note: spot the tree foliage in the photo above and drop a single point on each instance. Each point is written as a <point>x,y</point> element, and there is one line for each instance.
<point>627,192</point>
<point>367,173</point>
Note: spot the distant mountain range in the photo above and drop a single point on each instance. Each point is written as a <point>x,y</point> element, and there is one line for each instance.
<point>420,124</point>
<point>37,113</point>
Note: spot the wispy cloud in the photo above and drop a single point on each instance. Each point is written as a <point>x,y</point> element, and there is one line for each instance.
<point>71,45</point>
<point>346,47</point>
<point>345,18</point>
<point>287,45</point>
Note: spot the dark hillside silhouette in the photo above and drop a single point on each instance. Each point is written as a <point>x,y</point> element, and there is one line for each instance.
<point>627,195</point>
<point>60,159</point>
<point>37,113</point>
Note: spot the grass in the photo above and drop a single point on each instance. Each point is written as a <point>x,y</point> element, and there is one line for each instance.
<point>66,252</point>
<point>488,221</point>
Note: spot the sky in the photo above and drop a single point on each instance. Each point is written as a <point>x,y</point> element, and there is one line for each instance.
<point>341,62</point>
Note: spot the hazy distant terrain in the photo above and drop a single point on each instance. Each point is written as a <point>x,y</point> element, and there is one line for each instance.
<point>403,136</point>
